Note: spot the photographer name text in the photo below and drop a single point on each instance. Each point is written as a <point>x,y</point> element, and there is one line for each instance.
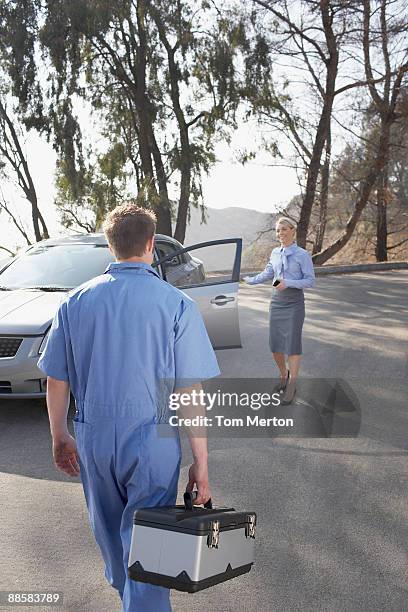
<point>222,421</point>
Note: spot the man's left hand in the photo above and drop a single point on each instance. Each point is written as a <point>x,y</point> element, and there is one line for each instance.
<point>65,454</point>
<point>198,475</point>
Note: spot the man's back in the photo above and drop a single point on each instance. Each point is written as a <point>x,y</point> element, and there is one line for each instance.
<point>120,330</point>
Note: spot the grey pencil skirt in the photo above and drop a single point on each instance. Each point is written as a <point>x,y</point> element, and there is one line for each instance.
<point>286,316</point>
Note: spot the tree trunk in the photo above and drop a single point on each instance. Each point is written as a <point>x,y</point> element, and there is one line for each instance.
<point>386,108</point>
<point>382,232</point>
<point>36,216</point>
<point>142,103</point>
<point>368,184</point>
<point>44,232</point>
<point>141,107</point>
<point>164,210</point>
<point>184,200</point>
<point>324,194</point>
<point>323,127</point>
<point>186,158</point>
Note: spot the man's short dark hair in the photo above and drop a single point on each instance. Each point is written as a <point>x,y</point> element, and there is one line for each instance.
<point>128,228</point>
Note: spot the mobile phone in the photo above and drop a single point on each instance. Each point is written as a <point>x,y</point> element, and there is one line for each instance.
<point>276,282</point>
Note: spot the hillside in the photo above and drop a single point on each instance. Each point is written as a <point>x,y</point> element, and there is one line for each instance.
<point>235,222</point>
<point>231,222</point>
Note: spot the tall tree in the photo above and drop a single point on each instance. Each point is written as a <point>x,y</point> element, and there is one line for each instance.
<point>324,195</point>
<point>350,169</point>
<point>378,151</point>
<point>317,45</point>
<point>311,35</point>
<point>202,82</point>
<point>171,73</point>
<point>382,29</point>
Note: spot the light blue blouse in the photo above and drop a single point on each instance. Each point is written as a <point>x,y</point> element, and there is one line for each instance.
<point>292,263</point>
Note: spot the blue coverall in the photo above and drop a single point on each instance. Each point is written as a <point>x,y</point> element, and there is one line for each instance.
<point>114,339</point>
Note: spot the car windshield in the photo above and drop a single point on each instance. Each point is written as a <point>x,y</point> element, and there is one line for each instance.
<point>62,266</point>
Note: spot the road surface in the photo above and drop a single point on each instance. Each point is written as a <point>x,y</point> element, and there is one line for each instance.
<point>332,513</point>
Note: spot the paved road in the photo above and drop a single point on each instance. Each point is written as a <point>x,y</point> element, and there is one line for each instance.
<point>332,513</point>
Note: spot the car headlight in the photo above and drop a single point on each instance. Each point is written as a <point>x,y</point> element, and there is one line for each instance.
<point>43,343</point>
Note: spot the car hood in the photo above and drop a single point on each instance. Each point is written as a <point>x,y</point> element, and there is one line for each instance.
<point>27,312</point>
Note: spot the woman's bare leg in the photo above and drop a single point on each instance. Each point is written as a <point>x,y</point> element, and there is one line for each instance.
<point>294,365</point>
<point>281,363</point>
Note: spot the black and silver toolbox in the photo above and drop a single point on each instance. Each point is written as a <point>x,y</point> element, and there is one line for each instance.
<point>190,548</point>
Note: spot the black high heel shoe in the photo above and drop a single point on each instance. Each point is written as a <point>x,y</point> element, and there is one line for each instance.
<point>289,393</point>
<point>281,386</point>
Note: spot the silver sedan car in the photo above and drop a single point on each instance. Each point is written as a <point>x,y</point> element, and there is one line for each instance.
<point>33,284</point>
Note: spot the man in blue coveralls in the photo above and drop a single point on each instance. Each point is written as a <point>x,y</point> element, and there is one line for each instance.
<point>111,342</point>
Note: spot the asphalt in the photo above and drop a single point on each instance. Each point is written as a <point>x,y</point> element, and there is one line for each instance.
<point>332,512</point>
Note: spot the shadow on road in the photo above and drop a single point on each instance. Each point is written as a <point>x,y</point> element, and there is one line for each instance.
<point>25,440</point>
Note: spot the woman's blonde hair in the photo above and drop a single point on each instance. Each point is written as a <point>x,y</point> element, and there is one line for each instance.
<point>287,221</point>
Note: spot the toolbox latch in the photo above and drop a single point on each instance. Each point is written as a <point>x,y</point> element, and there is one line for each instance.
<point>214,535</point>
<point>250,526</point>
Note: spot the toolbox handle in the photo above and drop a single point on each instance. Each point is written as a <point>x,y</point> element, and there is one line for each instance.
<point>190,497</point>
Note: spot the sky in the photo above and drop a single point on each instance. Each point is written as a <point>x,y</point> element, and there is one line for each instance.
<point>256,185</point>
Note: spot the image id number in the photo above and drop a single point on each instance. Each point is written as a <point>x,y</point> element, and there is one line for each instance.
<point>30,598</point>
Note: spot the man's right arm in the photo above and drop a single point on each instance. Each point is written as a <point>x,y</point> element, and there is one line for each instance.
<point>195,361</point>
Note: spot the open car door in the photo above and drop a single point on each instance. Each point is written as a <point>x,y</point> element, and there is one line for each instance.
<point>209,273</point>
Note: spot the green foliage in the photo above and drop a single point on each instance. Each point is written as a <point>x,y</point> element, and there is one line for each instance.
<point>165,81</point>
<point>18,27</point>
<point>102,187</point>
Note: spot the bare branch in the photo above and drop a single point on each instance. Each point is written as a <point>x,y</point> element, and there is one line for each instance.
<point>18,224</point>
<point>290,124</point>
<point>82,224</point>
<point>3,248</point>
<point>348,129</point>
<point>309,66</point>
<point>363,83</point>
<point>367,59</point>
<point>13,152</point>
<point>199,116</point>
<point>293,27</point>
<point>384,44</point>
<point>394,246</point>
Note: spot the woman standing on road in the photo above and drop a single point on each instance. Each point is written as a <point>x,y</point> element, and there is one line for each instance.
<point>291,268</point>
